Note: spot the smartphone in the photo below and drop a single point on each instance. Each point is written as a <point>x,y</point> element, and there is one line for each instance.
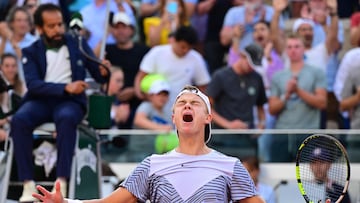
<point>172,7</point>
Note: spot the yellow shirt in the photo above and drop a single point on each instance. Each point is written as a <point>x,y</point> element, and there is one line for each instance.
<point>155,21</point>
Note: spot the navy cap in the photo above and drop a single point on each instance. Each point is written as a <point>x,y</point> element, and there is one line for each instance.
<point>321,154</point>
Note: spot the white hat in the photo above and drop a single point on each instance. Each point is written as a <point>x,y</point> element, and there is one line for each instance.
<point>159,86</point>
<point>122,17</point>
<point>300,21</point>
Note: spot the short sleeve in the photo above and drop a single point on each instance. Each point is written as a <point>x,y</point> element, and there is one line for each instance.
<point>350,85</point>
<point>201,73</point>
<point>137,182</point>
<point>242,186</point>
<point>148,63</point>
<point>321,79</point>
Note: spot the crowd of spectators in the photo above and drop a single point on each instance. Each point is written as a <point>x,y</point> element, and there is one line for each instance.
<point>301,80</point>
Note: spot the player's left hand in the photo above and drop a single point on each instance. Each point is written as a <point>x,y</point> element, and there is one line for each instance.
<point>49,197</point>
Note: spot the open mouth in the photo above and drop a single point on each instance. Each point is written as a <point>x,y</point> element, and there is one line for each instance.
<point>260,39</point>
<point>187,118</point>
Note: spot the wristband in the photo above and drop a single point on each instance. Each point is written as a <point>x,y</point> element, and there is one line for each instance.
<point>73,201</point>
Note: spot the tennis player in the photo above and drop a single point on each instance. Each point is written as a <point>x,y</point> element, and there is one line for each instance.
<point>192,172</point>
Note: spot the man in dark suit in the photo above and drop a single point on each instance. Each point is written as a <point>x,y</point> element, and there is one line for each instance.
<point>54,71</point>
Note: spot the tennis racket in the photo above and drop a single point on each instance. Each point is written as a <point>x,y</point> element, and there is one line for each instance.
<point>322,169</point>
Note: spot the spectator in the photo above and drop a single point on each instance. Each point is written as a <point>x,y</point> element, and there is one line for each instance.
<point>127,55</point>
<point>234,92</point>
<point>54,71</point>
<point>298,93</point>
<point>172,15</point>
<point>320,53</point>
<point>120,112</point>
<point>242,19</point>
<point>31,6</point>
<point>177,62</point>
<point>350,94</point>
<point>215,10</point>
<point>119,115</point>
<point>320,164</point>
<point>152,7</point>
<point>15,33</point>
<point>94,24</point>
<point>348,65</point>
<point>10,79</point>
<point>265,191</point>
<point>160,178</point>
<point>271,63</point>
<point>150,114</point>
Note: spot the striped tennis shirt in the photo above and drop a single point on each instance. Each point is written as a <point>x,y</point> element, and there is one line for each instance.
<point>181,178</point>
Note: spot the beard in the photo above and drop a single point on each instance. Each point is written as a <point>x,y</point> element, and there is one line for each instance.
<point>54,42</point>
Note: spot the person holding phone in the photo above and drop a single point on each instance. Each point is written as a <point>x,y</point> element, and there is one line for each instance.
<point>158,30</point>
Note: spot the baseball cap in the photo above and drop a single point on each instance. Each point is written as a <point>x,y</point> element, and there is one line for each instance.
<point>121,17</point>
<point>300,21</point>
<point>321,154</point>
<point>195,90</point>
<point>159,86</point>
<point>254,54</point>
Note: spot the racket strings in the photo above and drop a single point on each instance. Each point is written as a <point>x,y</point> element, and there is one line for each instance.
<point>323,169</point>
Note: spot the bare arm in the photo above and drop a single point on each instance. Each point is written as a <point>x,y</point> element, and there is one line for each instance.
<point>142,121</point>
<point>5,34</point>
<point>261,117</point>
<point>204,7</point>
<point>226,35</point>
<point>317,100</point>
<point>276,35</point>
<point>254,199</point>
<point>121,195</point>
<point>350,102</point>
<point>332,42</point>
<point>148,9</point>
<point>139,76</point>
<point>276,105</point>
<point>190,9</point>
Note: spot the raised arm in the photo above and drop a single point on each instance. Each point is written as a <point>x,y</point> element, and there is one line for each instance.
<point>332,42</point>
<point>148,9</point>
<point>276,35</point>
<point>204,7</point>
